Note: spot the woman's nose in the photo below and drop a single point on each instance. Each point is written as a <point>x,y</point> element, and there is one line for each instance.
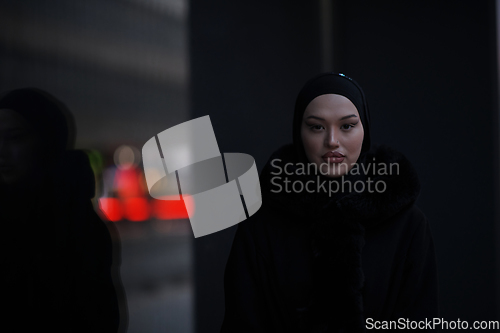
<point>331,140</point>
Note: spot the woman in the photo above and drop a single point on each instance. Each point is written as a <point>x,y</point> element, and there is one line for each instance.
<point>56,252</point>
<point>338,245</point>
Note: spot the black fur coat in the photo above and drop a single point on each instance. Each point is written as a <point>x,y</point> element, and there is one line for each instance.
<point>318,259</point>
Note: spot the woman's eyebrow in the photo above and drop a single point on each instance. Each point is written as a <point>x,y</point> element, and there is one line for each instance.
<point>344,117</point>
<point>349,116</point>
<point>315,117</point>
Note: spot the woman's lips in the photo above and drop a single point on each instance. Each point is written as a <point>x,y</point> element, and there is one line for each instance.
<point>333,157</point>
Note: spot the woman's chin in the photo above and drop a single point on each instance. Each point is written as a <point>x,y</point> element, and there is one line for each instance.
<point>334,175</point>
<point>333,170</point>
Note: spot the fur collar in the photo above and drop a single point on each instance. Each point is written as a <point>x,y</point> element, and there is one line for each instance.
<point>338,221</point>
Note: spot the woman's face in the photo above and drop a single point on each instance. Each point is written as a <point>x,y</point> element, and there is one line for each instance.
<point>332,134</point>
<point>17,147</point>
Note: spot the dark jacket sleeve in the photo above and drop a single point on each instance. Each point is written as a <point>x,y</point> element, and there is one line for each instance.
<point>244,300</point>
<point>418,296</point>
<point>95,303</point>
<point>95,296</point>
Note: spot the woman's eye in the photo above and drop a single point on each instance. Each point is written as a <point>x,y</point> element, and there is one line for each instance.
<point>347,126</point>
<point>316,127</point>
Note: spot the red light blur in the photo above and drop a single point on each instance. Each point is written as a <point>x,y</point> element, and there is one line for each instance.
<point>111,208</point>
<point>168,209</point>
<point>129,183</point>
<point>136,209</point>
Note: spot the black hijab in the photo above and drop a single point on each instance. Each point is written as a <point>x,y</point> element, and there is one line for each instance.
<point>48,117</point>
<point>330,83</point>
<point>51,122</point>
<point>53,125</point>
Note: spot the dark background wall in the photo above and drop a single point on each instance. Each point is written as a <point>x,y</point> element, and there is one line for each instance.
<point>248,61</point>
<point>429,72</point>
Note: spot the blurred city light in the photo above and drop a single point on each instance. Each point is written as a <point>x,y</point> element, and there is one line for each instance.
<point>126,197</point>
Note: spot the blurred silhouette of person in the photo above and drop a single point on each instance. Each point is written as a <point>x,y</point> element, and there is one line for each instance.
<point>56,252</point>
